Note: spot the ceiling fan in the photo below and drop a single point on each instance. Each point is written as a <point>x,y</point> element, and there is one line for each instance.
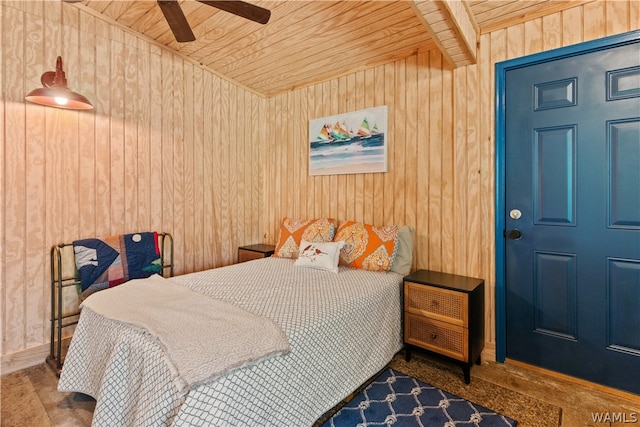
<point>180,26</point>
<point>182,30</point>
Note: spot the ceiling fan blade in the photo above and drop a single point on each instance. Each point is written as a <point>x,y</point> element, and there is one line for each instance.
<point>241,8</point>
<point>176,20</point>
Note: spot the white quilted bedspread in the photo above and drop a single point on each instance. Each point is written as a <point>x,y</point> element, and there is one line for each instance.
<point>201,343</point>
<point>342,328</point>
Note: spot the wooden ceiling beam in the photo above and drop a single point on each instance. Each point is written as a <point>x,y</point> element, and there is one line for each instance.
<point>452,26</point>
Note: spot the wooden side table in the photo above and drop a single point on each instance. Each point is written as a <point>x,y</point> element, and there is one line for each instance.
<point>444,313</point>
<point>247,253</point>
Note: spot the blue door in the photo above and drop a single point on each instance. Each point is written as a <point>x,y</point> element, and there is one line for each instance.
<point>572,215</point>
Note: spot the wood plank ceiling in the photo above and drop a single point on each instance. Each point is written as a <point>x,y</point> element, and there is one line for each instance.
<point>307,41</point>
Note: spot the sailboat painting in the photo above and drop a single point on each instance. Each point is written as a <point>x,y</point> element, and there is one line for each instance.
<point>349,143</point>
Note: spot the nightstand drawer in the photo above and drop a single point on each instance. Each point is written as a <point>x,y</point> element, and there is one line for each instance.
<point>433,335</point>
<point>437,303</point>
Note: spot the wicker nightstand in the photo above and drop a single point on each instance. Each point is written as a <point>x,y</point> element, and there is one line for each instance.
<point>444,313</point>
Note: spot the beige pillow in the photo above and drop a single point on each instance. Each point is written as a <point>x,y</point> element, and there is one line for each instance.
<point>404,254</point>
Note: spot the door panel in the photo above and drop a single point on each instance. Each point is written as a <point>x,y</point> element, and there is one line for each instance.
<point>624,324</point>
<point>572,168</point>
<point>624,176</point>
<point>554,290</point>
<point>554,175</point>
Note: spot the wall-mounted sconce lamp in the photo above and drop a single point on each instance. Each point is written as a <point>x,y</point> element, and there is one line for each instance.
<point>55,92</point>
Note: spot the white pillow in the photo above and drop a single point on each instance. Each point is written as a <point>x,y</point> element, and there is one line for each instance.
<point>323,256</point>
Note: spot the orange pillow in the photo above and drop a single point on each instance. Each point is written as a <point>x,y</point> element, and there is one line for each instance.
<point>293,231</point>
<point>366,246</point>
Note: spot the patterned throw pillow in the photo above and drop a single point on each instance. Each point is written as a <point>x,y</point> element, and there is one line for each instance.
<point>322,256</point>
<point>293,231</point>
<point>366,246</point>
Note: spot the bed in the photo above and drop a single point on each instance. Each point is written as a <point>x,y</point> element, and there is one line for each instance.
<point>341,328</point>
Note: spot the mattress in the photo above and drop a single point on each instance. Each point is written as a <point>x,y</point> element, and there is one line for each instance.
<point>342,328</point>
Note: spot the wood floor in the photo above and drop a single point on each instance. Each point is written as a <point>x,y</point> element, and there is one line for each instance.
<point>30,399</point>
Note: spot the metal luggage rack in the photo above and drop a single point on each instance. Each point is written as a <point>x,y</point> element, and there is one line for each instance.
<point>65,298</point>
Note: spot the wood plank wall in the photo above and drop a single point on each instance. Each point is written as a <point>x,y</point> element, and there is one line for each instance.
<point>441,136</point>
<point>169,147</point>
<point>173,147</point>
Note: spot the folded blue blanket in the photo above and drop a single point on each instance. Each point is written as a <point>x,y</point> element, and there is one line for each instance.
<point>113,260</point>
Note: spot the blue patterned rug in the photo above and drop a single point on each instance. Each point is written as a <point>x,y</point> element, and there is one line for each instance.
<point>396,399</point>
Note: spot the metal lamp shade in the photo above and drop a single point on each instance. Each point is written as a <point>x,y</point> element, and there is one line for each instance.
<point>55,92</point>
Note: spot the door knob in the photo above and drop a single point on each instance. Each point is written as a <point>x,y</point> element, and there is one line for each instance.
<point>514,234</point>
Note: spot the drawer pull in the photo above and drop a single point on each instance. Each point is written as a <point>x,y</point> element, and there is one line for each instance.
<point>434,336</point>
<point>434,303</point>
